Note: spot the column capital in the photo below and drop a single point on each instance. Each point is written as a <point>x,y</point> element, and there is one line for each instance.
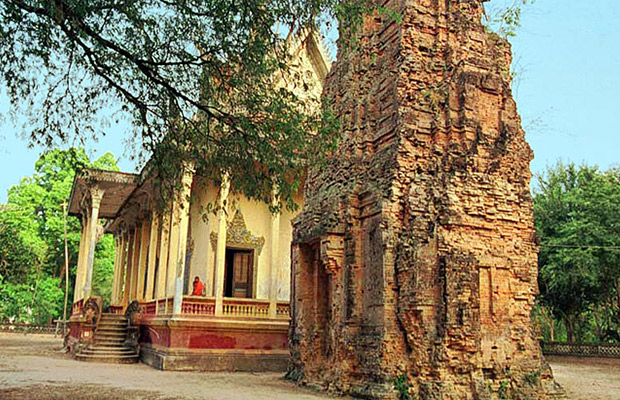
<point>96,195</point>
<point>188,175</point>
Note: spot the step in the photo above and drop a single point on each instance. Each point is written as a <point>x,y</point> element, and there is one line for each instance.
<point>120,351</point>
<point>116,352</point>
<point>111,336</point>
<point>111,329</point>
<point>112,318</point>
<point>106,348</point>
<point>113,321</point>
<point>110,315</point>
<point>109,342</point>
<point>129,359</point>
<point>113,333</point>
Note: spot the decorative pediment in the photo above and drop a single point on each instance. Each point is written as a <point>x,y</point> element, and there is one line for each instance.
<point>237,234</point>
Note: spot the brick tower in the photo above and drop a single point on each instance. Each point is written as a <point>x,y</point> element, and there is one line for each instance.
<point>414,258</point>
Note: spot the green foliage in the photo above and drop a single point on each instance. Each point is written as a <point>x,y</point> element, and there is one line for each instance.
<point>17,256</point>
<point>35,301</point>
<point>504,16</point>
<point>198,79</point>
<point>532,378</point>
<point>503,392</point>
<point>32,239</point>
<point>578,223</point>
<point>401,385</point>
<point>103,269</point>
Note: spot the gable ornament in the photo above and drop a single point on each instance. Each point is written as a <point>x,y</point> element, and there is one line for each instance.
<point>237,234</point>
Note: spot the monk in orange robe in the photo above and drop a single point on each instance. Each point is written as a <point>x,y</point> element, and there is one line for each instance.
<point>198,287</point>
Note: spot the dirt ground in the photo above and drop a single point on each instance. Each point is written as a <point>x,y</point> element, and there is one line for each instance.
<point>587,378</point>
<point>33,367</point>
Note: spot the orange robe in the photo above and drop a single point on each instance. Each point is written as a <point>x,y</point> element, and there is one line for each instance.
<point>198,286</point>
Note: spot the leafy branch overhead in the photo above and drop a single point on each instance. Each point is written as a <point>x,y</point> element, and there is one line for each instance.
<point>200,78</point>
<point>198,73</point>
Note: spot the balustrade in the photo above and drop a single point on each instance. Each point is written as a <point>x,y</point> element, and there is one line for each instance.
<point>246,308</point>
<point>198,306</point>
<point>283,310</point>
<point>205,306</point>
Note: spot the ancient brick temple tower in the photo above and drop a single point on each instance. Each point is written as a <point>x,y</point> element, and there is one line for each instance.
<point>414,258</point>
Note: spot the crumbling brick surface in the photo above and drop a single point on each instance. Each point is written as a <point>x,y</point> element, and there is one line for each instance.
<point>415,255</point>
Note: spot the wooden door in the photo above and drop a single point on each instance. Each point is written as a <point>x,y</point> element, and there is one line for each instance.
<point>239,273</point>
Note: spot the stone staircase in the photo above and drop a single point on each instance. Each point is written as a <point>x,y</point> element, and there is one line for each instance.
<point>109,342</point>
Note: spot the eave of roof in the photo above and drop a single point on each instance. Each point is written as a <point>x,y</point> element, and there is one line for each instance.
<point>117,185</point>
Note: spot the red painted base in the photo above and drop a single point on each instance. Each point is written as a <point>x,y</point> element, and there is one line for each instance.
<point>214,344</point>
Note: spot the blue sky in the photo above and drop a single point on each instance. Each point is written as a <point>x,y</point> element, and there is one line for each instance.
<point>567,61</point>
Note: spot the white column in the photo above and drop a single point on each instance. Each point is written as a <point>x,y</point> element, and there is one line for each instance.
<point>135,259</point>
<point>182,205</point>
<point>163,255</point>
<point>96,194</point>
<point>123,268</point>
<point>150,278</point>
<point>220,249</point>
<point>81,267</point>
<point>144,244</point>
<point>275,259</point>
<point>117,262</point>
<point>131,240</point>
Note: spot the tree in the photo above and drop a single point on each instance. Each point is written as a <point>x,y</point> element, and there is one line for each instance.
<point>198,72</point>
<point>32,239</point>
<point>505,19</point>
<point>578,222</point>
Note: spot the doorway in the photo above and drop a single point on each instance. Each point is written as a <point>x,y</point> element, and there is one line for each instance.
<point>239,273</point>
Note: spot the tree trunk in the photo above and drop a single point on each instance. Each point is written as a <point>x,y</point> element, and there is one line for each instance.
<point>599,328</point>
<point>570,329</point>
<point>551,328</point>
<point>62,274</point>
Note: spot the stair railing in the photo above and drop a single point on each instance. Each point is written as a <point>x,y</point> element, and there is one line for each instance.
<point>91,311</point>
<point>133,314</point>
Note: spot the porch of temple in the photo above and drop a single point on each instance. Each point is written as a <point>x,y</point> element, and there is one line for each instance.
<point>238,249</point>
<point>238,316</point>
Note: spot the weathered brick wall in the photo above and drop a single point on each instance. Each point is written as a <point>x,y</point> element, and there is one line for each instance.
<point>414,253</point>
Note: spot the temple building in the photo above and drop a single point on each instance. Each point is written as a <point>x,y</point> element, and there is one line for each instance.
<point>204,281</point>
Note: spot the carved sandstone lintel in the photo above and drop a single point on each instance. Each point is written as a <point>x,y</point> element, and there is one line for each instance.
<point>332,253</point>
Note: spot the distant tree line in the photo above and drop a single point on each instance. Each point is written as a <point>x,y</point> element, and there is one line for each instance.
<point>577,213</point>
<point>32,271</point>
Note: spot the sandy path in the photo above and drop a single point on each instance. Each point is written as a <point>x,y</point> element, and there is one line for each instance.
<point>588,378</point>
<point>32,367</point>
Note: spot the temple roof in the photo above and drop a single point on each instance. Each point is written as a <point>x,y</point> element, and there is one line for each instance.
<point>118,187</point>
